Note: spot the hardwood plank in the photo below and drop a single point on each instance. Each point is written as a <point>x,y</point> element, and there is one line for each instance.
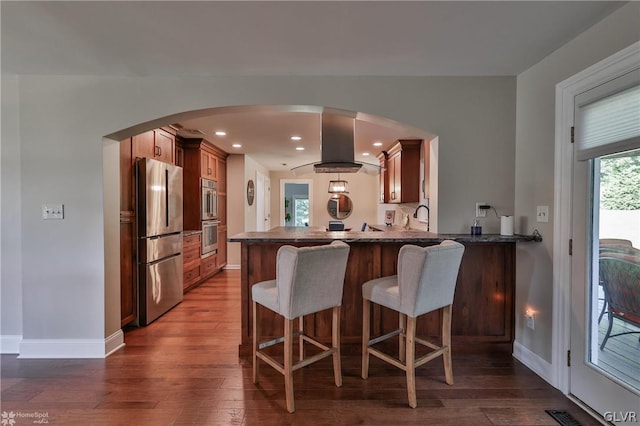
<point>184,369</point>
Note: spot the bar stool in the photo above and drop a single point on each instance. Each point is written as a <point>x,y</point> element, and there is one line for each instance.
<point>426,282</point>
<point>308,280</point>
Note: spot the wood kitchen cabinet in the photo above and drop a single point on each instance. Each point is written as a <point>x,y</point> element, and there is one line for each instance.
<point>208,165</point>
<point>191,259</point>
<point>199,155</point>
<point>384,177</point>
<point>202,160</point>
<point>402,182</point>
<point>128,281</point>
<point>158,144</point>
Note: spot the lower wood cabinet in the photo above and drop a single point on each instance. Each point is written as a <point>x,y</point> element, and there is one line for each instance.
<point>209,265</point>
<point>195,268</point>
<point>191,260</point>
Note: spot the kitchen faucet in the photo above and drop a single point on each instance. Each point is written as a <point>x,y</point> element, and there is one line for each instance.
<point>415,214</point>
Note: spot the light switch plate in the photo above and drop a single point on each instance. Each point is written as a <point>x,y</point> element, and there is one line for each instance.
<point>53,211</point>
<point>542,214</point>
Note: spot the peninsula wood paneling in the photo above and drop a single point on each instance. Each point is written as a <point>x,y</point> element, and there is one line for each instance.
<point>482,308</point>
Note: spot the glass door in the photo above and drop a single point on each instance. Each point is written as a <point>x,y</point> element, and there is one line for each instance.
<point>605,287</point>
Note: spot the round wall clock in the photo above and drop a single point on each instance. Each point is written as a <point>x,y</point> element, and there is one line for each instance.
<point>251,191</point>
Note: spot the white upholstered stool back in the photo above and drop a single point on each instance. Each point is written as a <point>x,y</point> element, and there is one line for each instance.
<point>426,281</point>
<point>308,280</point>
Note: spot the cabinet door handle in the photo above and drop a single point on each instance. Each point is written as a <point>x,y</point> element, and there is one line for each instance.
<point>159,151</point>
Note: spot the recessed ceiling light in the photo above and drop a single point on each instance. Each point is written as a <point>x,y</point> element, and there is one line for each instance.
<point>300,148</point>
<point>377,144</point>
<point>365,154</point>
<point>221,133</point>
<point>296,138</point>
<point>236,145</point>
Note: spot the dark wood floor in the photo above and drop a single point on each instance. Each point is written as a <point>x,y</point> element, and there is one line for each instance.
<point>184,369</point>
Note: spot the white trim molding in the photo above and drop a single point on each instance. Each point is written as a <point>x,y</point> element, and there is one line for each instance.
<point>533,361</point>
<point>228,266</point>
<point>71,348</point>
<point>113,343</point>
<point>605,70</point>
<point>10,343</point>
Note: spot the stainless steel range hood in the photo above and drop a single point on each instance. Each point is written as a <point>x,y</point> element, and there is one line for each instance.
<point>337,147</point>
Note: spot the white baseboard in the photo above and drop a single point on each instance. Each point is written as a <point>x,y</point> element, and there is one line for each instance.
<point>232,266</point>
<point>534,362</point>
<point>10,343</point>
<point>71,348</point>
<point>113,343</point>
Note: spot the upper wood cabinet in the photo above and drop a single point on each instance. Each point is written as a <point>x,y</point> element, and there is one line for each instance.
<point>402,180</point>
<point>208,165</point>
<point>157,144</point>
<point>201,160</point>
<point>384,177</point>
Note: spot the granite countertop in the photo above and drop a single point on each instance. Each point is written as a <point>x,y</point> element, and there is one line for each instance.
<point>186,233</point>
<point>380,234</point>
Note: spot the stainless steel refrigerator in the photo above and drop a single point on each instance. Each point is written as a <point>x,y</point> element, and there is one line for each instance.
<point>159,211</point>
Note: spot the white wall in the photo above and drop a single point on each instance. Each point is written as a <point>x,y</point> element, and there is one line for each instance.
<point>10,219</point>
<point>236,190</point>
<point>251,168</point>
<point>363,193</point>
<point>623,224</point>
<point>534,177</point>
<point>62,121</point>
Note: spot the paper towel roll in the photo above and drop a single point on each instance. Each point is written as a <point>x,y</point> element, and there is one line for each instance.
<point>506,225</point>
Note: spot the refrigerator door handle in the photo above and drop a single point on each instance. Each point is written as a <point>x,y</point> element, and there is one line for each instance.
<point>164,259</point>
<point>166,197</point>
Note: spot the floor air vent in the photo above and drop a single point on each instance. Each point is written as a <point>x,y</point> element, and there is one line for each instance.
<point>563,417</point>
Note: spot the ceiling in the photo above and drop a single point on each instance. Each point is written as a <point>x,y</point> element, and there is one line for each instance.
<point>214,38</point>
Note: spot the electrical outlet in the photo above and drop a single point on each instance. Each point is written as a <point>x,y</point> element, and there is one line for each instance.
<point>480,212</point>
<point>530,322</point>
<point>530,317</point>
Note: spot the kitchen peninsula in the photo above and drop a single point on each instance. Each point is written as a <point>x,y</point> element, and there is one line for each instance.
<point>483,308</point>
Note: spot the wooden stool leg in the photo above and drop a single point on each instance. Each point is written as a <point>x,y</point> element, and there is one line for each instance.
<point>301,340</point>
<point>366,330</point>
<point>256,334</point>
<point>446,342</point>
<point>288,364</point>
<point>410,363</point>
<point>402,337</point>
<point>335,339</point>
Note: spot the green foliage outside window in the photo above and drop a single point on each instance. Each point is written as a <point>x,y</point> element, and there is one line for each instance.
<point>620,183</point>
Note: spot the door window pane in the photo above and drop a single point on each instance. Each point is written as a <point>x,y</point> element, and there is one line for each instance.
<point>614,344</point>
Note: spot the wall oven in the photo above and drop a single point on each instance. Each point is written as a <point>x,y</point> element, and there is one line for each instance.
<point>209,237</point>
<point>209,209</point>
